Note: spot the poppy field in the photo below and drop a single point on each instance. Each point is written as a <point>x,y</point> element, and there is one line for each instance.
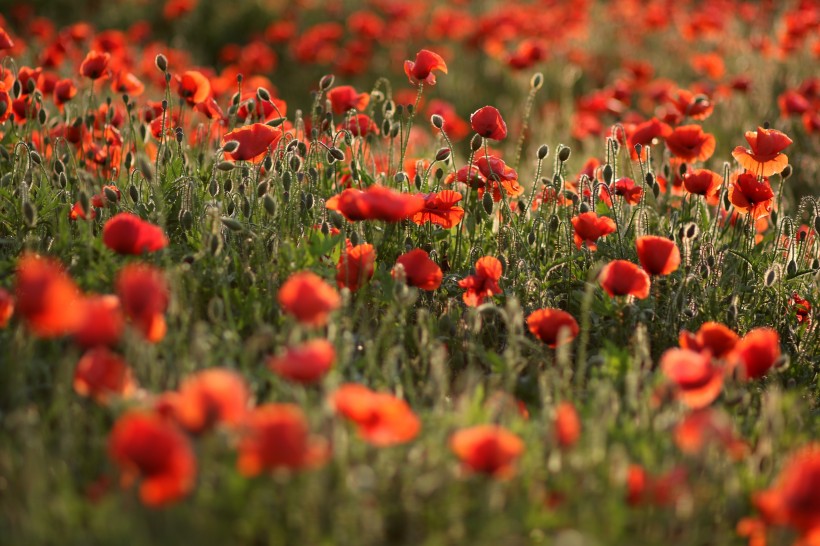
<point>410,272</point>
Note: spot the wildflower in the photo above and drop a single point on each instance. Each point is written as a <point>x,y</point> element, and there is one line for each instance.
<point>763,157</point>
<point>567,425</point>
<point>698,381</point>
<point>714,337</point>
<point>127,233</point>
<point>356,266</point>
<point>376,203</point>
<point>757,352</point>
<point>308,298</point>
<point>276,436</point>
<point>704,426</point>
<point>703,182</point>
<point>690,143</point>
<point>484,283</point>
<point>128,83</point>
<point>800,306</point>
<point>345,97</point>
<point>94,65</point>
<point>623,278</point>
<point>488,123</point>
<point>210,397</point>
<point>102,321</point>
<point>489,173</point>
<point>419,270</point>
<point>626,188</point>
<point>306,363</point>
<point>382,419</point>
<point>589,227</point>
<point>5,40</point>
<point>47,298</point>
<point>487,449</point>
<point>749,195</point>
<point>440,209</point>
<point>147,446</point>
<point>143,292</point>
<point>552,326</point>
<point>663,490</point>
<point>421,70</point>
<point>64,91</point>
<point>101,374</point>
<point>658,255</point>
<point>359,125</point>
<point>194,87</point>
<point>254,141</point>
<point>6,308</point>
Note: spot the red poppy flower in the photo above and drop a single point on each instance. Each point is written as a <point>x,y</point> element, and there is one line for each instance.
<point>345,97</point>
<point>697,379</point>
<point>143,292</point>
<point>422,69</point>
<point>714,337</point>
<point>359,125</point>
<point>757,352</point>
<point>47,298</point>
<point>690,143</point>
<point>763,156</point>
<point>101,374</point>
<point>210,397</point>
<point>64,91</point>
<point>6,308</point>
<point>356,266</point>
<point>307,363</point>
<point>623,278</point>
<point>455,127</point>
<point>487,449</point>
<point>703,182</point>
<point>254,141</point>
<point>126,82</point>
<point>567,425</point>
<point>749,195</point>
<point>308,298</point>
<point>658,255</point>
<point>705,426</point>
<point>193,86</point>
<point>489,173</point>
<point>549,324</point>
<point>5,103</point>
<point>645,134</point>
<point>210,109</point>
<point>690,105</point>
<point>27,74</point>
<point>626,188</point>
<point>382,419</point>
<point>94,65</point>
<point>794,499</point>
<point>801,307</point>
<point>276,436</point>
<point>5,40</point>
<point>488,123</point>
<point>440,209</point>
<point>127,233</point>
<point>484,283</point>
<point>376,203</point>
<point>589,227</point>
<point>147,446</point>
<point>419,270</point>
<point>102,321</point>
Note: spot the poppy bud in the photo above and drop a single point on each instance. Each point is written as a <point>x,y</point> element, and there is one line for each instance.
<point>30,86</point>
<point>584,208</point>
<point>232,224</point>
<point>399,110</point>
<point>417,181</point>
<point>543,151</point>
<point>263,94</point>
<point>774,217</point>
<point>295,163</point>
<point>817,224</point>
<point>536,81</point>
<point>564,153</point>
<point>726,202</point>
<point>607,172</point>
<point>771,277</point>
<point>326,82</point>
<point>133,193</point>
<point>354,238</point>
<point>437,121</point>
<point>531,237</point>
<point>29,214</point>
<point>35,157</point>
<point>410,109</point>
<point>394,131</point>
<point>439,174</point>
<point>815,263</point>
<point>63,180</point>
<point>213,187</point>
<point>638,148</point>
<point>553,225</point>
<point>110,195</point>
<point>791,268</point>
<point>656,189</point>
<point>443,154</point>
<point>186,219</point>
<point>336,219</point>
<point>338,154</point>
<point>41,116</point>
<point>786,172</point>
<point>225,166</point>
<point>231,146</point>
<point>16,89</point>
<point>179,134</point>
<point>228,186</point>
<point>269,204</point>
<point>162,62</point>
<point>215,245</point>
<point>487,202</point>
<point>475,143</point>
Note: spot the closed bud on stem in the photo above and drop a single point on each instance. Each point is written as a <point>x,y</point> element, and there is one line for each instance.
<point>437,121</point>
<point>564,153</point>
<point>443,154</point>
<point>475,143</point>
<point>543,152</point>
<point>326,82</point>
<point>162,62</point>
<point>536,81</point>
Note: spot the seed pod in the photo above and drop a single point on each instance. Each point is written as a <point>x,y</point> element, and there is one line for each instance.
<point>269,203</point>
<point>487,202</point>
<point>536,81</point>
<point>443,154</point>
<point>437,121</point>
<point>543,152</point>
<point>564,153</point>
<point>162,62</point>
